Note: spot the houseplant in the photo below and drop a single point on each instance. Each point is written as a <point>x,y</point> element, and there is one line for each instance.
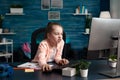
<point>16,8</point>
<point>88,23</point>
<point>84,66</point>
<point>112,60</point>
<point>1,20</point>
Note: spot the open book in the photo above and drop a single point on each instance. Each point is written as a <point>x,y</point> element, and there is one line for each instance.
<point>29,65</point>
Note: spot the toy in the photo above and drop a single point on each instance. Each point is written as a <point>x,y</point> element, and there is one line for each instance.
<point>6,70</point>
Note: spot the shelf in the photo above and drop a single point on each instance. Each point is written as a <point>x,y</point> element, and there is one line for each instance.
<point>8,41</point>
<point>3,43</point>
<point>7,45</point>
<point>10,33</point>
<point>86,33</point>
<point>15,14</point>
<point>5,54</point>
<point>82,14</point>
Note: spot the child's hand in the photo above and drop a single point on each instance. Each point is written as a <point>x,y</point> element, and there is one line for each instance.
<point>46,67</point>
<point>63,62</point>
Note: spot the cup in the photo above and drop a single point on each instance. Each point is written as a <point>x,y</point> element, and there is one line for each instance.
<point>87,30</point>
<point>77,11</point>
<point>1,30</point>
<point>86,11</point>
<point>4,40</point>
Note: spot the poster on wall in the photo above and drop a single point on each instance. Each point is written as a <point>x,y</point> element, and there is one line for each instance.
<point>53,15</point>
<point>45,4</point>
<point>57,4</point>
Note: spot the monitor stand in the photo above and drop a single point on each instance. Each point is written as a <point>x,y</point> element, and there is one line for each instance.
<point>111,73</point>
<point>114,72</point>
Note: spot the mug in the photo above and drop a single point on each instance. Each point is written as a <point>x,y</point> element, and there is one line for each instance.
<point>87,30</point>
<point>4,40</point>
<point>1,30</point>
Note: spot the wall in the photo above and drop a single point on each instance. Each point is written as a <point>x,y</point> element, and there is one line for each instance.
<point>104,5</point>
<point>114,8</point>
<point>34,18</point>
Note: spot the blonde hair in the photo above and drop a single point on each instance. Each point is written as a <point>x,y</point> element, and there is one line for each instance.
<point>49,27</point>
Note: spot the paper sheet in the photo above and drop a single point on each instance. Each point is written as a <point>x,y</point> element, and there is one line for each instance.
<point>29,65</point>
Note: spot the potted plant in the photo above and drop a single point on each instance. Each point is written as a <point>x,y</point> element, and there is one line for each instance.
<point>16,8</point>
<point>112,60</point>
<point>88,23</point>
<point>1,20</point>
<point>84,66</point>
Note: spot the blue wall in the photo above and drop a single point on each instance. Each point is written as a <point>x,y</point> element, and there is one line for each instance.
<point>34,18</point>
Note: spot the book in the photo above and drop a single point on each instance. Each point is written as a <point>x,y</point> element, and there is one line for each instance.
<point>29,65</point>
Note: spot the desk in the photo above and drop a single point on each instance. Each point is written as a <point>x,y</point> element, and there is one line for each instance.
<point>95,67</point>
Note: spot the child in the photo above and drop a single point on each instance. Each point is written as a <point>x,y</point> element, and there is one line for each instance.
<point>50,49</point>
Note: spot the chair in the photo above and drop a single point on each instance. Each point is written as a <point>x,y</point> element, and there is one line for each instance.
<point>37,36</point>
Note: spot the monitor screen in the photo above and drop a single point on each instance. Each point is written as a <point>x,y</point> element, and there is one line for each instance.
<point>102,31</point>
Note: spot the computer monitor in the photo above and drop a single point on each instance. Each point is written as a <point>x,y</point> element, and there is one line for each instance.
<point>102,32</point>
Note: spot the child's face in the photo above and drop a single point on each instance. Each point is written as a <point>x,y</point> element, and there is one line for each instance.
<point>56,35</point>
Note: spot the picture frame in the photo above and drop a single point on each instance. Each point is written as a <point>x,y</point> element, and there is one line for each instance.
<point>58,4</point>
<point>53,15</point>
<point>45,4</point>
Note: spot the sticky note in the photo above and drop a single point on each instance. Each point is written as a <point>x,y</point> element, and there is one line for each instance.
<point>29,70</point>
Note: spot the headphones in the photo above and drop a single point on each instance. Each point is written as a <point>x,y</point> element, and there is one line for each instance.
<point>6,70</point>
